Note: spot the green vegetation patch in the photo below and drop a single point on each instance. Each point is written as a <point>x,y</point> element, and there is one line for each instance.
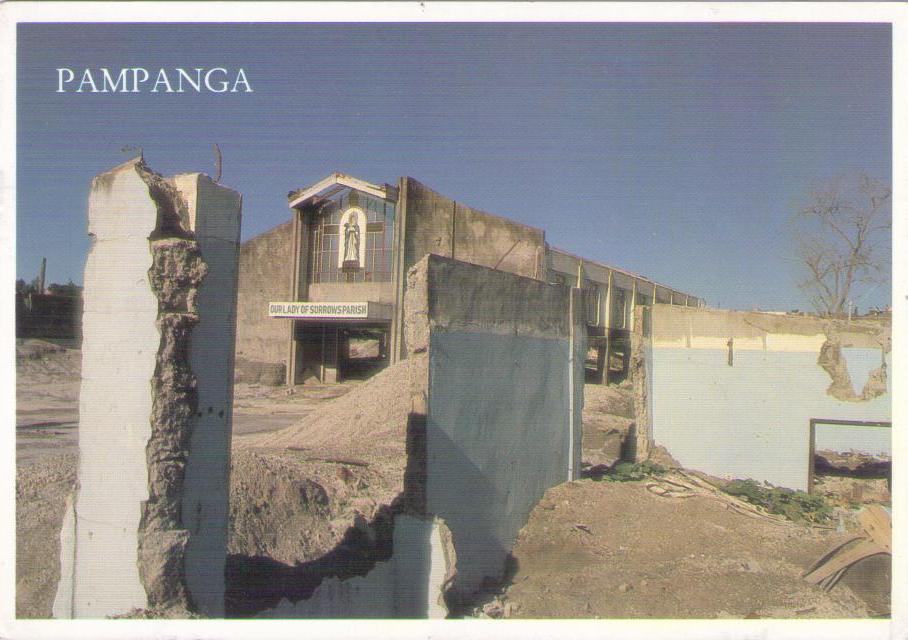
<point>623,472</point>
<point>796,506</point>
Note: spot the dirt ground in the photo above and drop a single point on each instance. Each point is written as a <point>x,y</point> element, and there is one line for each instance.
<point>297,483</point>
<point>590,548</point>
<point>615,550</point>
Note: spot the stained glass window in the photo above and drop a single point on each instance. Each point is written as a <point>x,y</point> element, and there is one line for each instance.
<point>325,237</point>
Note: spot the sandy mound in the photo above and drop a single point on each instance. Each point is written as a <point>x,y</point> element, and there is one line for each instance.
<point>291,510</point>
<point>365,426</point>
<point>39,361</point>
<point>41,491</point>
<point>608,399</point>
<point>316,498</point>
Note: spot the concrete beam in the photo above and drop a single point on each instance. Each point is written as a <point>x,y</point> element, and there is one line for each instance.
<point>608,327</point>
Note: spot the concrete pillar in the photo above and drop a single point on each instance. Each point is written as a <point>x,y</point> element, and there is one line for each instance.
<point>293,346</point>
<point>577,343</point>
<point>329,368</point>
<point>633,311</point>
<point>41,276</point>
<point>298,291</point>
<point>600,360</point>
<point>215,213</point>
<point>608,327</point>
<point>148,525</point>
<point>398,348</point>
<point>343,351</point>
<point>642,443</point>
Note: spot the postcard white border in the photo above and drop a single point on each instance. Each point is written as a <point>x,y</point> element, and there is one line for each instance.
<point>160,12</point>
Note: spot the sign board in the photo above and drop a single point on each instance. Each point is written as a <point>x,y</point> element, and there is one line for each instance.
<point>334,310</point>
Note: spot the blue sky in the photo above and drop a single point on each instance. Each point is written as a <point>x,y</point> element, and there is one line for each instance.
<point>677,151</point>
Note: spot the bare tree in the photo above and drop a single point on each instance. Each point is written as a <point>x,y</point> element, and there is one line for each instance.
<point>843,241</point>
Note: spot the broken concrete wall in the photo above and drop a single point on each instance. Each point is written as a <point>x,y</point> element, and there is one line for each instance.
<point>732,393</point>
<point>864,439</point>
<point>496,364</point>
<point>148,526</point>
<point>641,356</point>
<point>409,585</point>
<point>264,276</point>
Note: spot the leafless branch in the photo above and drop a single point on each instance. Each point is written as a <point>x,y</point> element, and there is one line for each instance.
<point>842,239</point>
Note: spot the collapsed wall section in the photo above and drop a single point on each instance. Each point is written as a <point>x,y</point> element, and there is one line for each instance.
<point>408,585</point>
<point>144,532</point>
<point>496,364</point>
<point>733,392</point>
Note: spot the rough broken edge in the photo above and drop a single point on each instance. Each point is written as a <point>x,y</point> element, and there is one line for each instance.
<point>642,443</point>
<point>162,538</point>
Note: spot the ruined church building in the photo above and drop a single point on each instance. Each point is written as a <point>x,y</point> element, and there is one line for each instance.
<point>337,272</point>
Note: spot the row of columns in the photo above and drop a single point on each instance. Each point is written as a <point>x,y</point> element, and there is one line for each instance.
<point>628,315</point>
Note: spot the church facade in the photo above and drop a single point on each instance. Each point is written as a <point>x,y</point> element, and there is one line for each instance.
<point>321,296</point>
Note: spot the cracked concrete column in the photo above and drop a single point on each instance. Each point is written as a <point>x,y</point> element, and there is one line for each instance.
<point>147,528</point>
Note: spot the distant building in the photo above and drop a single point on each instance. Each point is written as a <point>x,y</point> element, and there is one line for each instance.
<point>313,290</point>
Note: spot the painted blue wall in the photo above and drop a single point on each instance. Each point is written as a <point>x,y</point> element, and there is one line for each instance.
<point>752,420</point>
<point>498,437</point>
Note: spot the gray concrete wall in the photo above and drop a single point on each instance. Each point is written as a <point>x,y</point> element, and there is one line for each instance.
<point>436,224</point>
<point>355,292</point>
<point>711,328</point>
<point>429,223</point>
<point>496,242</point>
<point>265,274</point>
<point>874,441</point>
<point>751,419</point>
<point>496,370</point>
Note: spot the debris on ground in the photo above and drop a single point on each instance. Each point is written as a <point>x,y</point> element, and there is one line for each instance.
<point>625,471</point>
<point>314,470</point>
<point>608,423</point>
<point>645,555</point>
<point>876,540</point>
<point>793,505</point>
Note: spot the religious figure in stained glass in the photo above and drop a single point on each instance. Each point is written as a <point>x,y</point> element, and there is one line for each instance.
<point>351,241</point>
<point>350,251</point>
